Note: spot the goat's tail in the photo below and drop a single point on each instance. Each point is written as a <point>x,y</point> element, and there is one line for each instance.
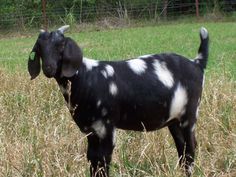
<point>202,57</point>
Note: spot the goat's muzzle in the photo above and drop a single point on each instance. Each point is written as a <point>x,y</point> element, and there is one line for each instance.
<point>49,71</point>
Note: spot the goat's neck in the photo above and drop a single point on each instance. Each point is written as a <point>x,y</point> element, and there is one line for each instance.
<point>65,87</point>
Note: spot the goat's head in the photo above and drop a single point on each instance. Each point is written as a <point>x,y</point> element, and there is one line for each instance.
<point>61,56</point>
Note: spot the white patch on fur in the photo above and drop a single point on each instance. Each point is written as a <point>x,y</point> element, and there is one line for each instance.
<point>185,124</point>
<point>90,63</point>
<point>113,89</point>
<point>163,74</point>
<point>193,128</point>
<point>199,56</point>
<point>178,102</point>
<point>198,105</point>
<point>63,28</point>
<point>108,121</point>
<point>114,137</point>
<point>203,80</point>
<point>145,56</point>
<point>99,128</point>
<point>66,90</point>
<point>197,112</point>
<point>104,112</point>
<point>138,66</point>
<point>204,32</point>
<point>190,169</point>
<point>108,72</point>
<point>104,73</point>
<point>99,103</point>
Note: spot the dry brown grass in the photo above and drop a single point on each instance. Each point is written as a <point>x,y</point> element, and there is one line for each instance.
<point>39,138</point>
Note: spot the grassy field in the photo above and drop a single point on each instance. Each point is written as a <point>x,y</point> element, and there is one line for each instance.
<point>39,138</point>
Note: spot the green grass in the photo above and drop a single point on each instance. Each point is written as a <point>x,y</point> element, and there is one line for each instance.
<point>39,138</point>
<point>132,42</point>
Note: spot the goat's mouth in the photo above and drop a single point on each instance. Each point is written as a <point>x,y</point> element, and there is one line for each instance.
<point>49,70</point>
<point>49,74</point>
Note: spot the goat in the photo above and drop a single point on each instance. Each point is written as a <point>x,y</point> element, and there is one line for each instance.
<point>142,94</point>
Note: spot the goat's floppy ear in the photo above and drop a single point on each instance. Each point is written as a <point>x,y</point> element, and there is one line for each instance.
<point>34,62</point>
<point>72,58</point>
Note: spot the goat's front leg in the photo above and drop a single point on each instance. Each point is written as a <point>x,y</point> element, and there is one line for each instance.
<point>100,152</point>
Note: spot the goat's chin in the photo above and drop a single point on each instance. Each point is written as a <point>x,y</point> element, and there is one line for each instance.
<point>49,75</point>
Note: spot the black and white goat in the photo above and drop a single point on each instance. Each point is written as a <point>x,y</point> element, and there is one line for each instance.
<point>146,93</point>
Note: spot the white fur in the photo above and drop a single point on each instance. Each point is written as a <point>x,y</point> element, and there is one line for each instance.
<point>113,89</point>
<point>145,56</point>
<point>199,56</point>
<point>138,66</point>
<point>99,103</point>
<point>104,73</point>
<point>99,128</point>
<point>204,32</point>
<point>108,121</point>
<point>197,112</point>
<point>63,28</point>
<point>193,128</point>
<point>185,124</point>
<point>90,63</point>
<point>114,137</point>
<point>203,81</point>
<point>163,74</point>
<point>108,72</point>
<point>67,91</point>
<point>198,105</point>
<point>104,112</point>
<point>178,102</point>
<point>199,100</point>
<point>190,169</point>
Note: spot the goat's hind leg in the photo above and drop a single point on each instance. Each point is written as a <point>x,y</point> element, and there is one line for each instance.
<point>185,141</point>
<point>177,134</point>
<point>190,146</point>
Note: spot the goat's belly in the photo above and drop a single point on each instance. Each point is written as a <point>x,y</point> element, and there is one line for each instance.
<point>138,126</point>
<point>140,120</point>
